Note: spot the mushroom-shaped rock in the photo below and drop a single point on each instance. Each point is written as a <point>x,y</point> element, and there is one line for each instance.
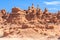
<point>32,5</point>
<point>3,11</point>
<point>39,12</point>
<point>45,11</point>
<point>29,10</point>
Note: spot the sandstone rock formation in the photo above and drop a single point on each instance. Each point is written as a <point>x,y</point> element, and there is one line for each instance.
<point>33,23</point>
<point>17,16</point>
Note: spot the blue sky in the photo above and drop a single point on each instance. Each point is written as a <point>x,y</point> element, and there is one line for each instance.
<point>52,5</point>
